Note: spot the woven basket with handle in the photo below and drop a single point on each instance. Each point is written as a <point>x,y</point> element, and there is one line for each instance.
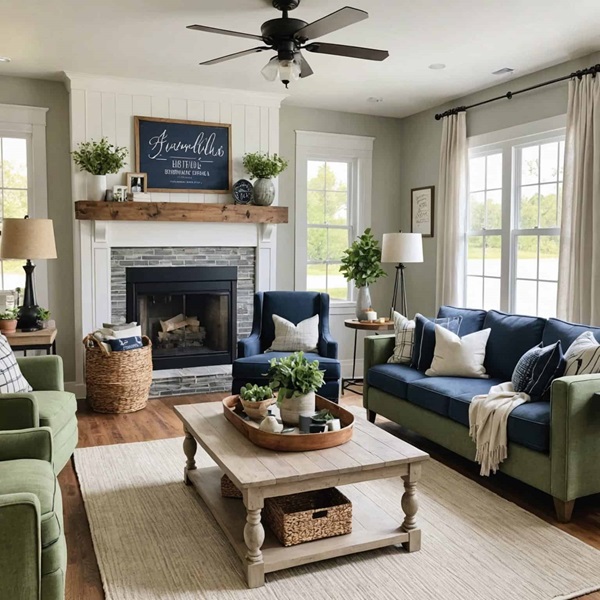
<point>117,382</point>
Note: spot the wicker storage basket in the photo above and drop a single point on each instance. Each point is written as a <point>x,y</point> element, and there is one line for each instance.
<point>308,516</point>
<point>117,382</point>
<point>228,489</point>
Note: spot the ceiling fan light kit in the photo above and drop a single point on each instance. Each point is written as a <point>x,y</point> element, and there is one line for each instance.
<point>288,37</point>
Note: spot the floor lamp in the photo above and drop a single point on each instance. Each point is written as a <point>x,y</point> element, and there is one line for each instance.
<point>401,248</point>
<point>28,239</point>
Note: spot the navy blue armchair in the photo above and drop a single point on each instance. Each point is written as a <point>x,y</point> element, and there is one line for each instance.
<point>252,362</point>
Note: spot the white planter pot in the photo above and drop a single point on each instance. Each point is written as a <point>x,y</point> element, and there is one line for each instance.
<point>96,187</point>
<point>293,408</point>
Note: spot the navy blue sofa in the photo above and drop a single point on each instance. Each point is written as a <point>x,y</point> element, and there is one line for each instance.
<point>252,362</point>
<point>554,444</point>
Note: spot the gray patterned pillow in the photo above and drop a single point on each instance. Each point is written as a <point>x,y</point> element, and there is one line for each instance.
<point>11,378</point>
<point>295,338</point>
<point>524,370</point>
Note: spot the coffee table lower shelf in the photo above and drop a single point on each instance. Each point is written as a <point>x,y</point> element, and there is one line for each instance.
<point>372,527</point>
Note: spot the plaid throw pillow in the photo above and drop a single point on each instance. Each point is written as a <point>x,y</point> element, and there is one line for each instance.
<point>11,378</point>
<point>295,338</point>
<point>405,339</point>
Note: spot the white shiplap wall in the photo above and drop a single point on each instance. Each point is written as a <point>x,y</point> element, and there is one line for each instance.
<point>105,107</point>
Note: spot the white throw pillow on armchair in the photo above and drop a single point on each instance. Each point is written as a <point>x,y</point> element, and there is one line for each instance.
<point>459,357</point>
<point>295,338</point>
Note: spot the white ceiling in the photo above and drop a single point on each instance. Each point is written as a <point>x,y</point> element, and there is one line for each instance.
<point>147,39</point>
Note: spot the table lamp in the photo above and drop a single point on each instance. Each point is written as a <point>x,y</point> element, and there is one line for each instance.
<point>401,248</point>
<point>28,239</point>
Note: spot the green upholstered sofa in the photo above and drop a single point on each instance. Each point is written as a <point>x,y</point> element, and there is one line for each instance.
<point>554,445</point>
<point>33,553</point>
<point>47,406</point>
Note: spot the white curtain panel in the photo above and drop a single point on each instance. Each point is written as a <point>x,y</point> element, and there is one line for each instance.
<point>579,265</point>
<point>450,211</point>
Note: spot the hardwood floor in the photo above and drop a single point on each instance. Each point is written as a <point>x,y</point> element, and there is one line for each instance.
<point>158,421</point>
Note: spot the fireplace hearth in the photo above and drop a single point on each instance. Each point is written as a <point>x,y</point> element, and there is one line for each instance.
<point>189,313</point>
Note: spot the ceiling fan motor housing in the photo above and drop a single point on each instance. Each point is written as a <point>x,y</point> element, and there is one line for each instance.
<point>286,4</point>
<point>280,34</point>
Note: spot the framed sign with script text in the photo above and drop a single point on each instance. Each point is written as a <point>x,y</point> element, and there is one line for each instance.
<point>421,210</point>
<point>183,156</point>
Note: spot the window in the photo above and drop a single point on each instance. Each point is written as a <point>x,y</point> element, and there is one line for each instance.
<point>333,195</point>
<point>513,224</point>
<point>14,194</point>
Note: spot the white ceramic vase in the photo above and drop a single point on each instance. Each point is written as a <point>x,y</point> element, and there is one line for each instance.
<point>293,408</point>
<point>363,303</point>
<point>264,192</point>
<point>96,187</point>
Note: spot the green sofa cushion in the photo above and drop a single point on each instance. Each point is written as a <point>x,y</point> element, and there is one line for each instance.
<point>56,409</point>
<point>36,477</point>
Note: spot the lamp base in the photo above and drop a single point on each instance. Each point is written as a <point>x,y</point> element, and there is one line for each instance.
<point>28,318</point>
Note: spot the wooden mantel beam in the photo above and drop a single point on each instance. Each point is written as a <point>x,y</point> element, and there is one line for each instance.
<point>89,210</point>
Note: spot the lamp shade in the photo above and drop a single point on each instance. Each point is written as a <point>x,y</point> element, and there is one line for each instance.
<point>402,248</point>
<point>27,239</point>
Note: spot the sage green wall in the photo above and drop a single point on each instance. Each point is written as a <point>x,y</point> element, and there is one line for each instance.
<point>420,151</point>
<point>53,95</point>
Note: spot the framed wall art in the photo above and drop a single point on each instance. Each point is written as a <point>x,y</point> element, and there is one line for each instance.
<point>183,156</point>
<point>422,201</point>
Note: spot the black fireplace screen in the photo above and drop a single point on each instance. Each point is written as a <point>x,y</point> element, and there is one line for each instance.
<point>188,313</point>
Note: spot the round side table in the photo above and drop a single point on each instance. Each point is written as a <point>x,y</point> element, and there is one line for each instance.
<point>372,326</point>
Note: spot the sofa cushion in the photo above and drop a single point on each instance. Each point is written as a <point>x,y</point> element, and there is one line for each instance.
<point>393,378</point>
<point>472,318</point>
<point>424,338</point>
<point>35,477</point>
<point>56,409</point>
<point>510,338</point>
<point>253,367</point>
<point>567,333</point>
<point>528,424</point>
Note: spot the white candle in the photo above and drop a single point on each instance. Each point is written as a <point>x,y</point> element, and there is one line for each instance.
<point>371,315</point>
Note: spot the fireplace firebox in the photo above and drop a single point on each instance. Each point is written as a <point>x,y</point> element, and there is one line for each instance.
<point>189,313</point>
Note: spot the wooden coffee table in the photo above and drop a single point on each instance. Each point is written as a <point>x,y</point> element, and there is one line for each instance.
<point>259,473</point>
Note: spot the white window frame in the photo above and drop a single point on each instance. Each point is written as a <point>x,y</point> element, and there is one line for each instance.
<point>29,122</point>
<point>509,142</point>
<point>332,147</point>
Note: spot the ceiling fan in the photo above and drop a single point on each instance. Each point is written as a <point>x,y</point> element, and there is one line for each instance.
<point>288,37</point>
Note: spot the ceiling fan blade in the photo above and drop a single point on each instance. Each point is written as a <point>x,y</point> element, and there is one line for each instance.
<point>305,70</point>
<point>350,51</point>
<point>225,32</point>
<point>337,20</point>
<point>221,59</point>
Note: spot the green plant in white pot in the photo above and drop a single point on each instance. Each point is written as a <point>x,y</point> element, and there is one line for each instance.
<point>99,159</point>
<point>361,263</point>
<point>264,168</point>
<point>297,379</point>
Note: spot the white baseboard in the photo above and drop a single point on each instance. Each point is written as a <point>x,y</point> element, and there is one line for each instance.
<point>75,388</point>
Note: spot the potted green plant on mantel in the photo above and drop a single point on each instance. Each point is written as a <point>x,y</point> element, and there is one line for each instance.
<point>297,379</point>
<point>264,168</point>
<point>361,263</point>
<point>8,320</point>
<point>256,400</point>
<point>99,159</point>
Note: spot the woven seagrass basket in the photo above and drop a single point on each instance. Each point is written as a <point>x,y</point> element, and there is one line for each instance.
<point>308,516</point>
<point>117,382</point>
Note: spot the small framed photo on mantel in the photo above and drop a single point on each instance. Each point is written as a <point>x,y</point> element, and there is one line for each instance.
<point>422,210</point>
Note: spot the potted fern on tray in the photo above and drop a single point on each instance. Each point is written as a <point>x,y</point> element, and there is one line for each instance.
<point>297,379</point>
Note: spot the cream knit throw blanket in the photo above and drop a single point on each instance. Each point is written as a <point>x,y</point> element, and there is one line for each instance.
<point>488,418</point>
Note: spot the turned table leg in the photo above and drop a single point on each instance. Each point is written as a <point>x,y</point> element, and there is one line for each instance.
<point>410,506</point>
<point>189,449</point>
<point>254,536</point>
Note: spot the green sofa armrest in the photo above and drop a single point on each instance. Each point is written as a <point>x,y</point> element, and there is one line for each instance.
<point>20,546</point>
<point>18,411</point>
<point>26,443</point>
<point>43,372</point>
<point>575,436</point>
<point>378,348</point>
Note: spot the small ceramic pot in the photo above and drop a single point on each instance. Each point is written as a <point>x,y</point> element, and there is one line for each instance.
<point>292,408</point>
<point>8,325</point>
<point>264,192</point>
<point>97,187</point>
<point>334,425</point>
<point>257,411</point>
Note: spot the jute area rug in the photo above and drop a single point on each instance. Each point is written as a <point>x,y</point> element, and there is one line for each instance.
<point>154,538</point>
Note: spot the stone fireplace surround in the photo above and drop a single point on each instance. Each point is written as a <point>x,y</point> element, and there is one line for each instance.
<point>108,247</point>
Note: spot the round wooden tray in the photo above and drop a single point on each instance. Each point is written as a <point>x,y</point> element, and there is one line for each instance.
<point>292,442</point>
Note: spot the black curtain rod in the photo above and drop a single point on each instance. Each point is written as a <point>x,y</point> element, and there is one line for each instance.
<point>509,95</point>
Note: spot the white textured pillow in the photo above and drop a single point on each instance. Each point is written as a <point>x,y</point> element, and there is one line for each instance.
<point>459,357</point>
<point>583,355</point>
<point>405,339</point>
<point>11,378</point>
<point>295,338</point>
